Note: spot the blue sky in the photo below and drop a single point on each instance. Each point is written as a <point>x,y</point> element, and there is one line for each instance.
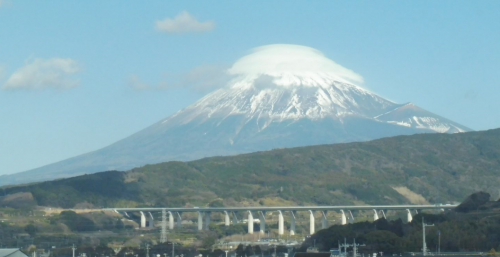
<point>76,76</point>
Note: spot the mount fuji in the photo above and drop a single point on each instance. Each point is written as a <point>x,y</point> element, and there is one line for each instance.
<point>280,96</point>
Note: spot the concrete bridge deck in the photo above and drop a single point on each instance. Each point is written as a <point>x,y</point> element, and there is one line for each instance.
<point>292,208</point>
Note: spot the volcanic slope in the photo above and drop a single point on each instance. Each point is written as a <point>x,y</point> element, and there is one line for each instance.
<point>424,168</point>
<point>280,96</point>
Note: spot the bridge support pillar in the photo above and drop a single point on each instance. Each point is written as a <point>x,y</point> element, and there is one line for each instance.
<point>311,222</point>
<point>170,220</point>
<point>179,219</point>
<point>151,220</point>
<point>281,223</point>
<point>324,221</point>
<point>200,221</point>
<point>262,222</point>
<point>227,222</point>
<point>409,218</point>
<point>207,220</point>
<point>383,214</point>
<point>292,223</point>
<point>351,217</point>
<point>343,219</point>
<point>250,222</point>
<point>375,215</point>
<point>235,218</point>
<point>143,220</point>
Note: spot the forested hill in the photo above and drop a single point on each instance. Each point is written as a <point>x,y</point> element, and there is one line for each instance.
<point>474,226</point>
<point>405,169</point>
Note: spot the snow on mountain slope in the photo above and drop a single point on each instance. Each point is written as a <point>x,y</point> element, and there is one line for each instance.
<point>271,103</point>
<point>410,115</point>
<point>266,99</point>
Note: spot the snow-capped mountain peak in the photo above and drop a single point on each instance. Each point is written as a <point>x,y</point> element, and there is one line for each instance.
<point>280,96</point>
<point>280,83</point>
<point>290,97</point>
<point>263,99</point>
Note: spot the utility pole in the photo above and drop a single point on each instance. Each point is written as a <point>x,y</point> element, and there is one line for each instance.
<point>345,249</point>
<point>163,234</point>
<point>147,250</point>
<point>439,242</point>
<point>173,249</point>
<point>345,245</point>
<point>424,245</point>
<point>355,248</point>
<point>74,248</point>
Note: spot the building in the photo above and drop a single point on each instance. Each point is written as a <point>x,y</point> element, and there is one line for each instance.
<point>12,252</point>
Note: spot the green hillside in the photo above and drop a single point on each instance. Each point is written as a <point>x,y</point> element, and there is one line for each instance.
<point>405,169</point>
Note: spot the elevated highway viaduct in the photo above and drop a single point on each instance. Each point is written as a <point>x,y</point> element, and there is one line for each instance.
<point>205,212</point>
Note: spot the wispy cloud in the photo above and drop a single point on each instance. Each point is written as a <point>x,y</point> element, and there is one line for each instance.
<point>44,73</point>
<point>206,78</point>
<point>135,83</point>
<point>201,79</point>
<point>4,3</point>
<point>184,23</point>
<point>2,72</point>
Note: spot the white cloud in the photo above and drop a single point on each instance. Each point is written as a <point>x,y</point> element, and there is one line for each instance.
<point>44,73</point>
<point>279,58</point>
<point>184,23</point>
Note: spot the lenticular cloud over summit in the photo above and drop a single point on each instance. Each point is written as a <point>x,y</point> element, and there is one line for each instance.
<point>276,60</point>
